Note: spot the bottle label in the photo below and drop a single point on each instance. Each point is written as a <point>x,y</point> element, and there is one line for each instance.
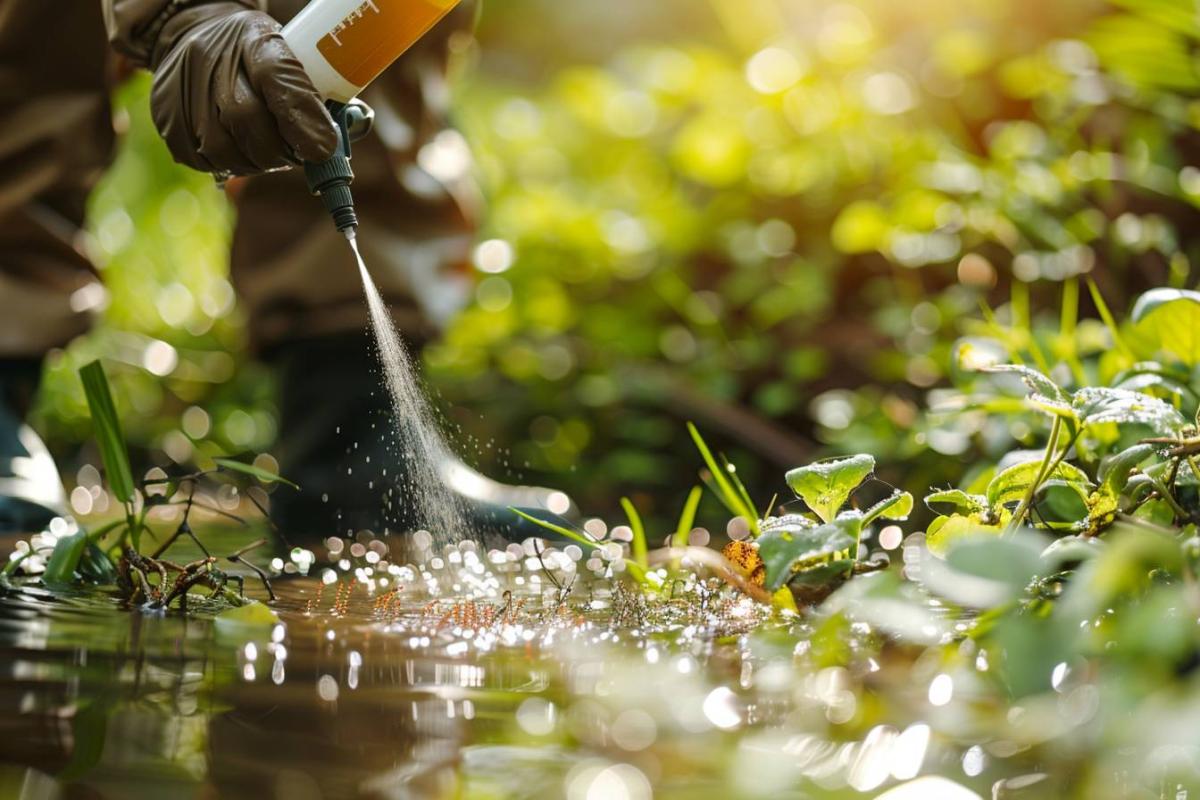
<point>376,33</point>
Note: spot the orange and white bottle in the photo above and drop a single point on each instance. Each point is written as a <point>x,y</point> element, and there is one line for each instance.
<point>345,44</point>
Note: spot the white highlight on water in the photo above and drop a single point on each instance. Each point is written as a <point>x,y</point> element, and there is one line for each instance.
<point>421,444</point>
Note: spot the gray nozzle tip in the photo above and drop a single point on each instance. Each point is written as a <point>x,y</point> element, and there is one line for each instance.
<point>339,202</point>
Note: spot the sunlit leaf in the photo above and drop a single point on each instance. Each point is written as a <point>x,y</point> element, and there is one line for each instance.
<point>1098,405</point>
<point>897,507</point>
<point>1036,381</point>
<point>1012,484</point>
<point>945,531</point>
<point>1172,317</point>
<point>788,550</point>
<point>960,501</point>
<point>826,485</point>
<point>107,426</point>
<point>64,561</point>
<point>984,571</point>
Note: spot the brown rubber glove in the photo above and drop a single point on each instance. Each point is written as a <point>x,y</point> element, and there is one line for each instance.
<point>229,95</point>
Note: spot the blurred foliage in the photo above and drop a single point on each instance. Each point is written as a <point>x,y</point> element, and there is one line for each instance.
<point>769,216</point>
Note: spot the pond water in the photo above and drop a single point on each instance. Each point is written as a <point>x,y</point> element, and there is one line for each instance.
<point>474,674</point>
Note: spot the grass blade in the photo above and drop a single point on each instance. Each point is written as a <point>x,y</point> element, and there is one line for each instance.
<point>1109,321</point>
<point>107,427</point>
<point>262,475</point>
<point>636,570</point>
<point>725,491</point>
<point>687,518</point>
<point>640,551</point>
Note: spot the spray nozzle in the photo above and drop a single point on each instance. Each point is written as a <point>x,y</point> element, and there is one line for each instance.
<point>331,179</point>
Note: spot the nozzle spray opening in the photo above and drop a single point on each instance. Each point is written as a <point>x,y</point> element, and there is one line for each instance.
<point>331,179</point>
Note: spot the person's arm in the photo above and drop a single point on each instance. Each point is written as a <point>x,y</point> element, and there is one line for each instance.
<point>229,95</point>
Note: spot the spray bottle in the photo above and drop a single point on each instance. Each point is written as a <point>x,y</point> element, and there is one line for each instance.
<point>343,46</point>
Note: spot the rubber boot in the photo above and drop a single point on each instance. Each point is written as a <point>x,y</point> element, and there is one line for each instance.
<point>337,442</point>
<point>31,490</point>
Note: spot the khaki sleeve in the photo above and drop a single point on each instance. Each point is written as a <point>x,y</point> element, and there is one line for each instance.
<point>133,25</point>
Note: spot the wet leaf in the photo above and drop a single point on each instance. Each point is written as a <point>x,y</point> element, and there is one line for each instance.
<point>1038,383</point>
<point>826,485</point>
<point>897,507</point>
<point>788,550</point>
<point>107,426</point>
<point>64,561</point>
<point>943,532</point>
<point>984,571</point>
<point>258,473</point>
<point>1172,318</point>
<point>960,501</point>
<point>1099,405</point>
<point>1012,484</point>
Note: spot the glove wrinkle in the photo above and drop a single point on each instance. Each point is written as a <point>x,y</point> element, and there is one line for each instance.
<point>230,97</point>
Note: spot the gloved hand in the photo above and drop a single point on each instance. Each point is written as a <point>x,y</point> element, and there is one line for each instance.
<point>229,95</point>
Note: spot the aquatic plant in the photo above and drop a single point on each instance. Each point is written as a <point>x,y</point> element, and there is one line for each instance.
<point>112,553</point>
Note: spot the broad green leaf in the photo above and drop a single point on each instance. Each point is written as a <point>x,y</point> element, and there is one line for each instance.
<point>1095,405</point>
<point>1115,469</point>
<point>826,485</point>
<point>64,561</point>
<point>943,532</point>
<point>1071,549</point>
<point>109,437</point>
<point>897,507</point>
<point>1172,318</point>
<point>786,550</point>
<point>960,501</point>
<point>983,570</point>
<point>1012,484</point>
<point>260,474</point>
<point>1144,375</point>
<point>1037,382</point>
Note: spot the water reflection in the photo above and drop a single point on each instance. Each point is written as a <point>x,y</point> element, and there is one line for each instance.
<point>520,683</point>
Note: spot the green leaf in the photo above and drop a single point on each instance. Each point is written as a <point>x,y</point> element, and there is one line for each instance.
<point>963,502</point>
<point>108,431</point>
<point>1011,485</point>
<point>826,485</point>
<point>1037,382</point>
<point>897,507</point>
<point>638,546</point>
<point>1097,405</point>
<point>944,532</point>
<point>1115,469</point>
<point>725,490</point>
<point>263,475</point>
<point>1172,318</point>
<point>687,517</point>
<point>64,561</point>
<point>789,549</point>
<point>984,571</point>
<point>95,565</point>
